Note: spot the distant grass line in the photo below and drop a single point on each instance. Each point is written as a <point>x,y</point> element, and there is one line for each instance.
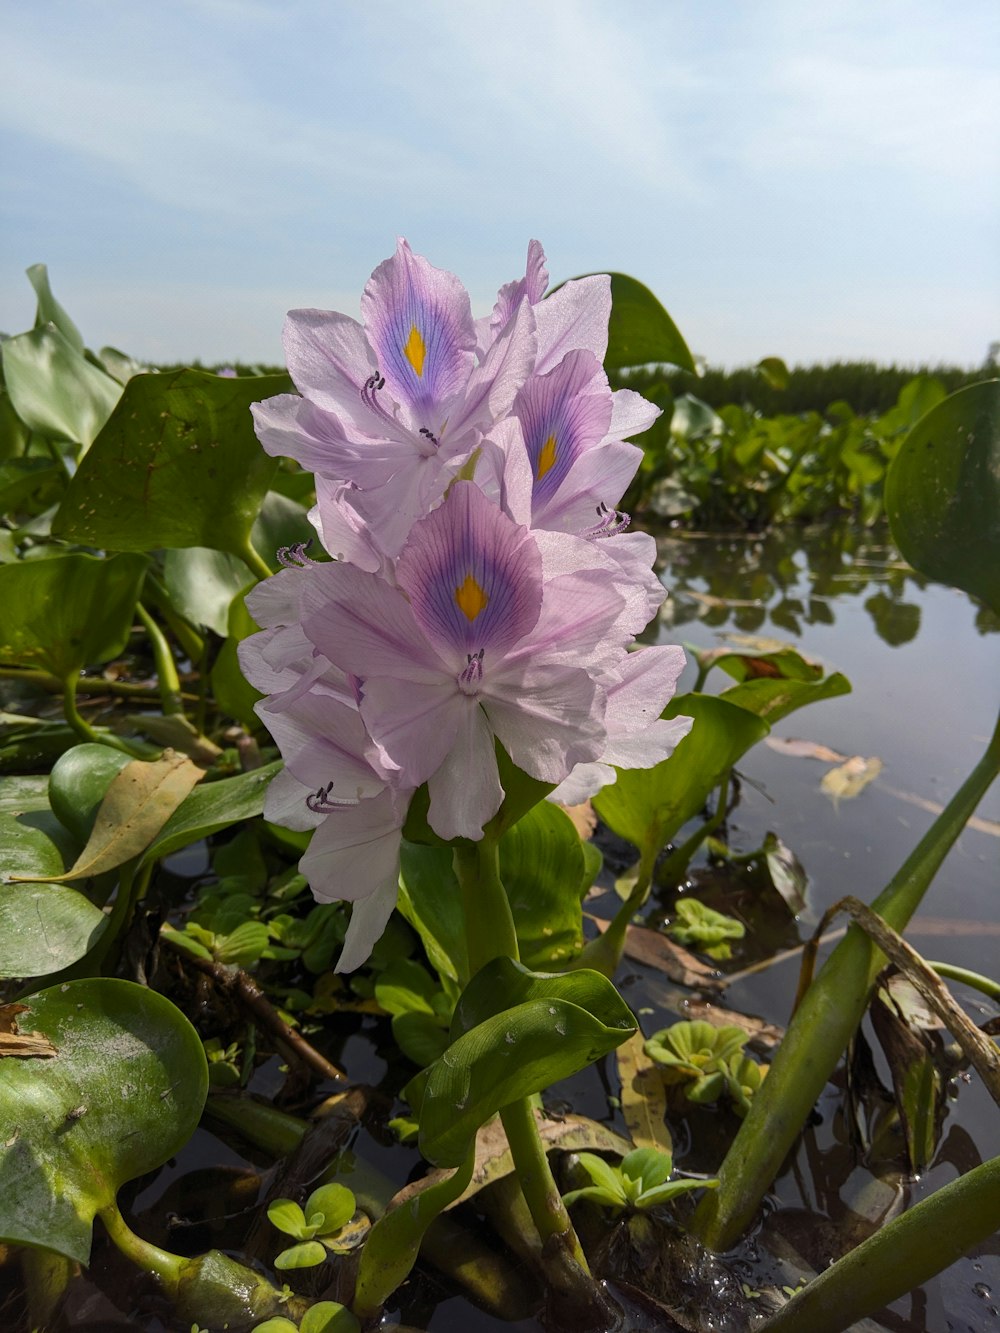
<point>866,386</point>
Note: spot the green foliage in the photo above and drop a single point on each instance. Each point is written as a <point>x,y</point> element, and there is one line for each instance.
<point>728,464</point>
<point>61,614</point>
<point>943,493</point>
<point>708,1061</point>
<point>177,464</point>
<point>318,1226</point>
<point>503,1048</point>
<point>77,1127</point>
<point>640,1181</point>
<point>702,928</point>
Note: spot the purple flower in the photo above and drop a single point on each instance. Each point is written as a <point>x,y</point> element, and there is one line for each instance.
<point>476,644</point>
<point>395,405</point>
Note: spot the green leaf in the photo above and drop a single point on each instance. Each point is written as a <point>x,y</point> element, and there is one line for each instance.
<point>430,899</point>
<point>67,612</point>
<point>329,1317</point>
<point>774,699</point>
<point>178,464</point>
<point>123,1093</point>
<point>942,493</point>
<point>502,984</point>
<point>640,330</point>
<point>201,584</point>
<point>232,691</point>
<point>44,928</point>
<point>648,806</point>
<point>49,310</point>
<point>212,807</point>
<point>287,1216</point>
<point>54,389</point>
<point>79,782</point>
<point>24,793</point>
<point>773,372</point>
<point>542,868</point>
<point>406,987</point>
<point>307,1255</point>
<point>27,851</point>
<point>334,1206</point>
<point>510,1055</point>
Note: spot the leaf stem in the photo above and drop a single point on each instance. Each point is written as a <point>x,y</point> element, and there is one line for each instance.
<point>164,1266</point>
<point>166,667</point>
<point>85,684</point>
<point>490,933</point>
<point>253,560</point>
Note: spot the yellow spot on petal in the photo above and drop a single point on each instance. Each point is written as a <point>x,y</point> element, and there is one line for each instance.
<point>546,457</point>
<point>470,598</point>
<point>414,350</point>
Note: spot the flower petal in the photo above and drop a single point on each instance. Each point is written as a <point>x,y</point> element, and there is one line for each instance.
<point>419,322</point>
<point>472,575</point>
<point>549,720</point>
<point>365,626</point>
<point>329,359</point>
<point>562,414</point>
<point>415,722</point>
<point>465,790</point>
<point>575,316</point>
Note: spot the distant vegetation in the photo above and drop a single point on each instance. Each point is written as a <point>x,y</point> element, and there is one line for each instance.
<point>865,386</point>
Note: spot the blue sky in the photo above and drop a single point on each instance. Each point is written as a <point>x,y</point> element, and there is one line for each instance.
<point>791,179</point>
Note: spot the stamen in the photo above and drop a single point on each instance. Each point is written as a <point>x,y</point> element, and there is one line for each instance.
<point>469,680</point>
<point>429,434</point>
<point>372,386</point>
<point>294,557</point>
<point>322,803</point>
<point>610,523</point>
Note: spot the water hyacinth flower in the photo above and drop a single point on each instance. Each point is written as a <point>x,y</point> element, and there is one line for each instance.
<point>484,592</point>
<point>391,407</point>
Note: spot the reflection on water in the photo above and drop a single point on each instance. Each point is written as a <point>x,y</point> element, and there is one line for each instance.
<point>794,579</point>
<point>924,664</point>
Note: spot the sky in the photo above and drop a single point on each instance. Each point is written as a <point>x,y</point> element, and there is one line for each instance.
<point>816,182</point>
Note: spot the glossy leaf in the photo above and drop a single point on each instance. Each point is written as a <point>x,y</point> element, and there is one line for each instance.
<point>44,928</point>
<point>123,1094</point>
<point>640,330</point>
<point>26,849</point>
<point>542,867</point>
<point>79,782</point>
<point>942,493</point>
<point>23,793</point>
<point>178,464</point>
<point>430,899</point>
<point>772,699</point>
<point>49,310</point>
<point>54,389</point>
<point>648,806</point>
<point>67,612</point>
<point>507,1057</point>
<point>503,983</point>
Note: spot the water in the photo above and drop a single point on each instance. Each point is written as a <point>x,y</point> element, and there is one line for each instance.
<point>924,663</point>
